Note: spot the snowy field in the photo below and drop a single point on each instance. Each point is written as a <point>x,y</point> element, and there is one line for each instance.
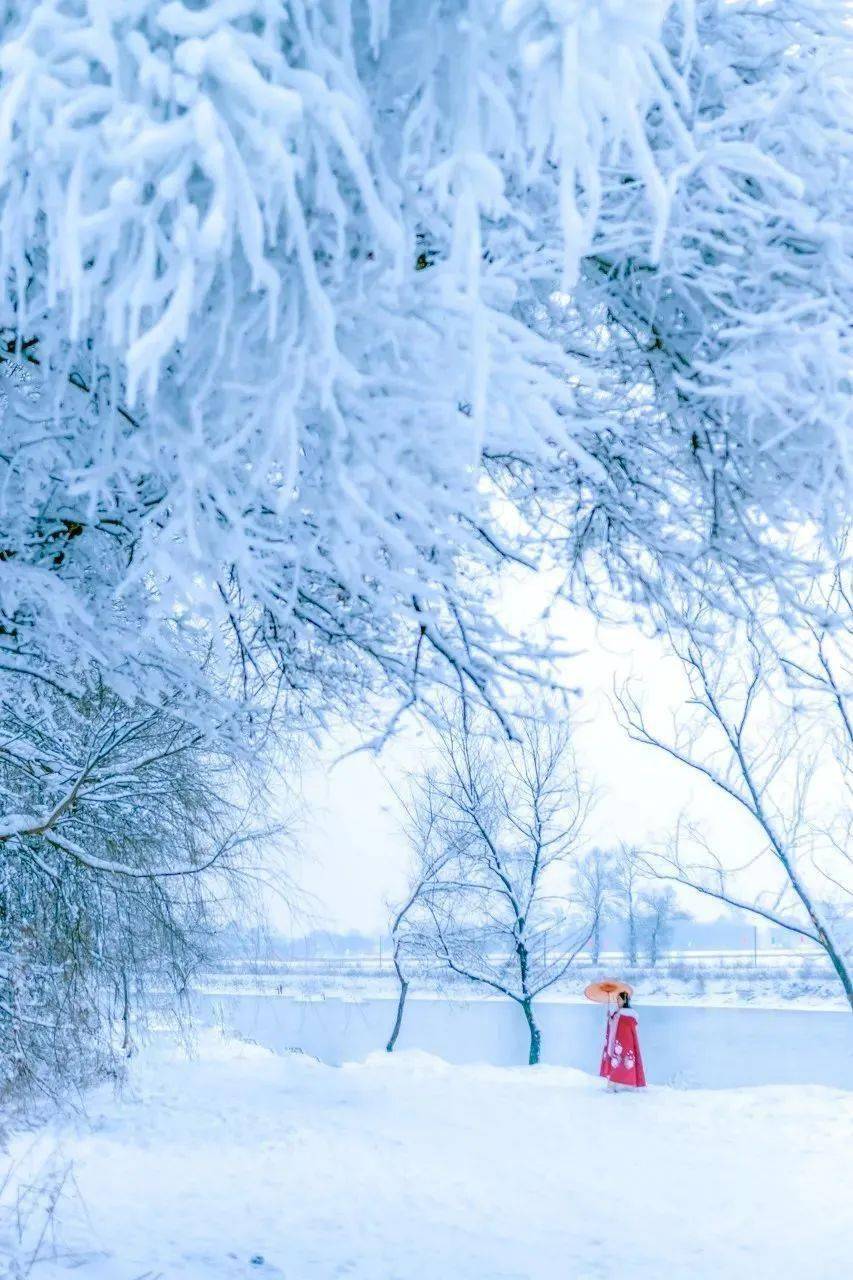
<point>237,1163</point>
<point>777,982</point>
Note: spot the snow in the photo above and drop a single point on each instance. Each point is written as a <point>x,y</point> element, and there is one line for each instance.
<point>336,201</point>
<point>740,988</point>
<point>405,1166</point>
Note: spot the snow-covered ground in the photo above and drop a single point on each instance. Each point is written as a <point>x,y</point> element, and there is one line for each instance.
<point>237,1162</point>
<point>736,985</point>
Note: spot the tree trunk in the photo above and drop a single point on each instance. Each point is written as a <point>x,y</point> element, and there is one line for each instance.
<point>398,1021</point>
<point>596,942</point>
<point>535,1033</point>
<point>127,1042</point>
<point>838,964</point>
<point>632,923</point>
<point>837,960</point>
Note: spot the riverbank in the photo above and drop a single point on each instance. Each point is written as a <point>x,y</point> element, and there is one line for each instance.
<point>234,1162</point>
<point>738,985</point>
<point>685,1046</point>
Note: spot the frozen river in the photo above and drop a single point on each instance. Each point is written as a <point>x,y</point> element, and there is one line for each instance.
<point>682,1046</point>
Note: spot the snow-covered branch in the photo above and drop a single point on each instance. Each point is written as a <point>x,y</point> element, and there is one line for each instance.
<point>293,307</point>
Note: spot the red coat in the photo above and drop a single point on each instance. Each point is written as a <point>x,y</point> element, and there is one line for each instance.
<point>621,1061</point>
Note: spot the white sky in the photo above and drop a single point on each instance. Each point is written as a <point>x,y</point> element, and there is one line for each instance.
<point>354,858</point>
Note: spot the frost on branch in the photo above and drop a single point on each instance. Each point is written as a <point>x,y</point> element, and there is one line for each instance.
<point>227,364</point>
<point>727,358</point>
<point>278,279</point>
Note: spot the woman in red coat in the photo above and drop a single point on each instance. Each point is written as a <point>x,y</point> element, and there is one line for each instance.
<point>621,1061</point>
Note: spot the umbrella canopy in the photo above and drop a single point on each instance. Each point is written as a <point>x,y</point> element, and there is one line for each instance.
<point>609,989</point>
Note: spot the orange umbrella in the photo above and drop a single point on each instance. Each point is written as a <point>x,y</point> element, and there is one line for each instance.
<point>604,992</point>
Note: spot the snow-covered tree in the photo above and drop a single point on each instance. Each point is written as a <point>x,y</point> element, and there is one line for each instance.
<point>724,351</point>
<point>496,828</point>
<point>299,300</point>
<point>120,829</point>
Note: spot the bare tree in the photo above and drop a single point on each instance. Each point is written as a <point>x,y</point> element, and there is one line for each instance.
<point>822,661</point>
<point>626,874</point>
<point>120,829</point>
<point>659,911</point>
<point>410,930</point>
<point>597,885</point>
<point>762,752</point>
<point>507,817</point>
<point>818,665</point>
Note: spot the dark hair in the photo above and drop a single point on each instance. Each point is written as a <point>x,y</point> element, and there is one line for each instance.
<point>626,1000</point>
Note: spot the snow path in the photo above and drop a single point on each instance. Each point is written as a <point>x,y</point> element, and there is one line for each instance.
<point>405,1168</point>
